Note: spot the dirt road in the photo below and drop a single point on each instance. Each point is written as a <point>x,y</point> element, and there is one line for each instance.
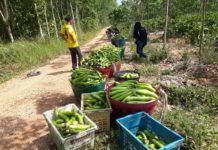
<point>23,100</point>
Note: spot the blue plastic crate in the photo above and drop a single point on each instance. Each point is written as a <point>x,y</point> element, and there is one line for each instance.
<point>121,42</point>
<point>131,124</point>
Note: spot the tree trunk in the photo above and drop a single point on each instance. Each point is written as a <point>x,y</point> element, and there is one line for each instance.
<point>71,8</point>
<point>8,27</point>
<point>58,12</point>
<point>46,20</point>
<point>5,17</point>
<point>61,5</point>
<point>202,27</point>
<point>78,21</point>
<point>40,26</point>
<point>166,25</point>
<point>53,15</point>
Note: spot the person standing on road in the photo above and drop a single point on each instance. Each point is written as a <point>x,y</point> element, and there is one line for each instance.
<point>69,35</point>
<point>140,35</point>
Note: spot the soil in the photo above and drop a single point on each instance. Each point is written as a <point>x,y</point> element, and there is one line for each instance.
<point>23,101</point>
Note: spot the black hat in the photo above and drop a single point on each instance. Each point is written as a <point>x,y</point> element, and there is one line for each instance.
<point>68,18</point>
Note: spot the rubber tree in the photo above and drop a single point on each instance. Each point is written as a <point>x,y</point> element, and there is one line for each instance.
<point>166,24</point>
<point>4,13</point>
<point>46,20</point>
<point>203,10</point>
<point>38,21</point>
<point>72,13</point>
<point>54,19</point>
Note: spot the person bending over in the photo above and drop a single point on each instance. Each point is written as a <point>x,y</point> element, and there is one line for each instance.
<point>140,35</point>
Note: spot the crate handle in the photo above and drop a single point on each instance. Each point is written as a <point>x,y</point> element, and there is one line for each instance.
<point>165,105</point>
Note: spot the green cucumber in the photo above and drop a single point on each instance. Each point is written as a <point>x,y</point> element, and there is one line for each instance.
<point>146,86</point>
<point>147,93</point>
<point>122,97</point>
<point>138,98</point>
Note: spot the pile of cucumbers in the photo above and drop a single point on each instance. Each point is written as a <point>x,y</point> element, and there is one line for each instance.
<point>95,101</point>
<point>86,77</point>
<point>129,75</point>
<point>133,92</point>
<point>69,122</point>
<point>102,58</point>
<point>150,140</point>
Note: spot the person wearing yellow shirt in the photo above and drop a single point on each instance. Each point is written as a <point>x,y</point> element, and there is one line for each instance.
<point>69,35</point>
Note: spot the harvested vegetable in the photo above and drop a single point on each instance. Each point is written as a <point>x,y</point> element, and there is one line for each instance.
<point>133,92</point>
<point>95,101</point>
<point>150,140</point>
<point>86,77</point>
<point>69,122</point>
<point>129,75</point>
<point>102,58</point>
<point>118,37</point>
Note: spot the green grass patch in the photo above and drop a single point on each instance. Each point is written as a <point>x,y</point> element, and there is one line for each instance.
<point>190,97</point>
<point>22,55</point>
<point>149,70</point>
<point>199,128</point>
<point>194,116</point>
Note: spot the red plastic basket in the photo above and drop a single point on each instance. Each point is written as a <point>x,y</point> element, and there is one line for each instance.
<point>121,109</point>
<point>105,71</point>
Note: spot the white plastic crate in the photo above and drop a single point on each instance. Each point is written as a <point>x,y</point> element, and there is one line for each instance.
<point>81,141</point>
<point>101,116</point>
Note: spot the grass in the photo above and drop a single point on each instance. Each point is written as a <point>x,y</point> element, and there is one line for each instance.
<point>199,129</point>
<point>149,70</point>
<point>194,116</point>
<point>22,55</point>
<point>155,54</point>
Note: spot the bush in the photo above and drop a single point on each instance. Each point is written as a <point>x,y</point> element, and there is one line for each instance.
<point>189,26</point>
<point>155,56</point>
<point>155,24</point>
<point>190,97</point>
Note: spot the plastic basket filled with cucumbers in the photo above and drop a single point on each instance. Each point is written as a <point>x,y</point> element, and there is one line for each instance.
<point>133,92</point>
<point>69,122</point>
<point>94,101</point>
<point>86,77</point>
<point>102,58</point>
<point>150,140</point>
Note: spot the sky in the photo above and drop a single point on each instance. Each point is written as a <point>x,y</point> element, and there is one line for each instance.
<point>119,2</point>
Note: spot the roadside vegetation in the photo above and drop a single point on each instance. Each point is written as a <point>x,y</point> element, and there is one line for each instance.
<point>30,35</point>
<point>189,83</point>
<point>24,54</point>
<point>182,53</point>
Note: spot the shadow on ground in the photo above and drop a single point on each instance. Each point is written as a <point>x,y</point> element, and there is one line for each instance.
<point>17,134</point>
<point>31,133</point>
<point>48,101</point>
<point>59,72</point>
<point>59,63</point>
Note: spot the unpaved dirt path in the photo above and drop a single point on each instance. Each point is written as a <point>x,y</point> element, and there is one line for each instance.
<point>23,100</point>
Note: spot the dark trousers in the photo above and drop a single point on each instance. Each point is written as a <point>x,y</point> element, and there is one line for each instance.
<point>76,56</point>
<point>139,48</point>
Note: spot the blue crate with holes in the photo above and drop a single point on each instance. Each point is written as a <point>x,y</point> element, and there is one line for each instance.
<point>131,124</point>
<point>121,42</point>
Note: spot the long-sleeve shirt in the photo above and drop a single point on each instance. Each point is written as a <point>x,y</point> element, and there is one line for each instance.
<point>141,35</point>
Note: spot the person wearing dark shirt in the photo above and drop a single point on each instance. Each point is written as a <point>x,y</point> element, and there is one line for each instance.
<point>140,35</point>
